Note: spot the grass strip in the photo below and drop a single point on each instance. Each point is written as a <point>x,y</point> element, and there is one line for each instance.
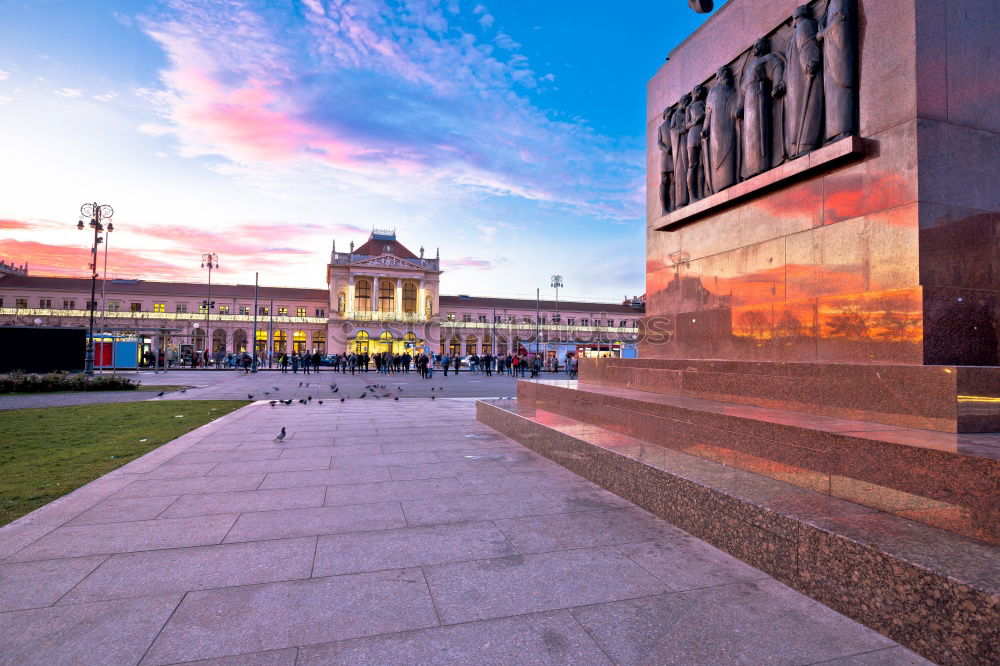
<point>48,452</point>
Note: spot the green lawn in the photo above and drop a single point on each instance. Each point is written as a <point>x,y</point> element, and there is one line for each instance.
<point>46,453</point>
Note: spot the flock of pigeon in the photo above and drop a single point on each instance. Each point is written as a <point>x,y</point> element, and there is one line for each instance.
<point>376,391</point>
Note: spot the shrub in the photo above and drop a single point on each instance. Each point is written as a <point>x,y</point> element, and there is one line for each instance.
<point>20,382</point>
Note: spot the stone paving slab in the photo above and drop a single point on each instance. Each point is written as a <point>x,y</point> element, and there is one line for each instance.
<point>477,552</point>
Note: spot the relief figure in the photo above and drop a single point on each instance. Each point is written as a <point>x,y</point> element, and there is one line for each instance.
<point>678,143</point>
<point>762,88</point>
<point>837,35</point>
<point>804,94</point>
<point>720,132</point>
<point>695,125</point>
<point>666,162</point>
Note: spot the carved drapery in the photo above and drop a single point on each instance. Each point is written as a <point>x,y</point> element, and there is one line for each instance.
<point>792,92</point>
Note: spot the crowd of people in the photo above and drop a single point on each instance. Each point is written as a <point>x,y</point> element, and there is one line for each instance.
<point>521,364</point>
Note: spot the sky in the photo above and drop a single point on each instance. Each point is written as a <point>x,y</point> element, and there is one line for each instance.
<point>507,134</point>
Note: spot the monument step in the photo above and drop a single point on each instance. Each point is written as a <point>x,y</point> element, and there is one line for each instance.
<point>936,592</point>
<point>952,398</point>
<point>946,480</point>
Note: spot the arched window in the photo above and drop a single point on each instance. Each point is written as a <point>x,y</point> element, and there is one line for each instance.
<point>319,341</point>
<point>198,338</point>
<point>280,342</point>
<point>385,341</point>
<point>362,296</point>
<point>299,342</point>
<point>361,342</point>
<point>239,341</point>
<point>487,344</point>
<point>455,346</point>
<point>218,340</point>
<point>409,297</point>
<point>470,345</point>
<point>386,296</point>
<point>261,344</point>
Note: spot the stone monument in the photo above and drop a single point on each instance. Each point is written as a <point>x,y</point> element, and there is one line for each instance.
<point>817,390</point>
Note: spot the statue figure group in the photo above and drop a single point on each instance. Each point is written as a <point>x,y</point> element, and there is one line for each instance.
<point>785,105</point>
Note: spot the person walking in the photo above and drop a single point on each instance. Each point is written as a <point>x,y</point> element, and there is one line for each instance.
<point>317,357</point>
<point>445,362</point>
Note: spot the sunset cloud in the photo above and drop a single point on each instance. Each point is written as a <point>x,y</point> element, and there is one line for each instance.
<point>394,99</point>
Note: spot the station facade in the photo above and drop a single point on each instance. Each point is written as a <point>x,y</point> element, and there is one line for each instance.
<point>379,297</point>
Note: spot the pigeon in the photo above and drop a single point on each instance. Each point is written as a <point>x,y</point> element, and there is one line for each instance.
<point>249,396</point>
<point>363,395</point>
<point>396,398</point>
<point>184,390</point>
<point>342,400</point>
<point>399,388</point>
<point>267,393</point>
<point>281,435</point>
<point>301,401</point>
<point>320,401</point>
<point>274,402</point>
<point>432,388</point>
<point>275,388</point>
<point>336,389</point>
<point>433,396</point>
<point>307,383</point>
<point>300,384</point>
<point>310,398</point>
<point>287,402</point>
<point>160,393</point>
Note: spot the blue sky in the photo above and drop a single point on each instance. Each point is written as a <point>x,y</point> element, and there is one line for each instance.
<point>509,134</point>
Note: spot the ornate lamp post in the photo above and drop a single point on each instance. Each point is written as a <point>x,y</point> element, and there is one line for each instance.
<point>209,260</point>
<point>95,213</point>
<point>557,281</point>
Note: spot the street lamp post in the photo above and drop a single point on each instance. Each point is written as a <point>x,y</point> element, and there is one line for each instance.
<point>557,281</point>
<point>209,260</point>
<point>96,213</point>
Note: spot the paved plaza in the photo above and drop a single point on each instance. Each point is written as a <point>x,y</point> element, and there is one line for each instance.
<point>236,385</point>
<point>379,532</point>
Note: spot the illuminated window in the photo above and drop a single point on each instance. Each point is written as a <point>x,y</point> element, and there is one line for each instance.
<point>299,342</point>
<point>283,310</point>
<point>386,296</point>
<point>135,307</point>
<point>262,310</point>
<point>69,305</point>
<point>300,312</point>
<point>280,341</point>
<point>363,297</point>
<point>182,308</point>
<point>451,316</point>
<point>409,297</point>
<point>245,310</point>
<point>224,309</point>
<point>319,341</point>
<point>203,307</point>
<point>159,307</point>
<point>45,302</point>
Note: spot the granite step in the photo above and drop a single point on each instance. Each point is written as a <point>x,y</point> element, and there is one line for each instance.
<point>946,480</point>
<point>949,398</point>
<point>935,592</point>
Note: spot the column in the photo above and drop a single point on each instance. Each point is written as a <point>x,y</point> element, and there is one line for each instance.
<point>375,287</point>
